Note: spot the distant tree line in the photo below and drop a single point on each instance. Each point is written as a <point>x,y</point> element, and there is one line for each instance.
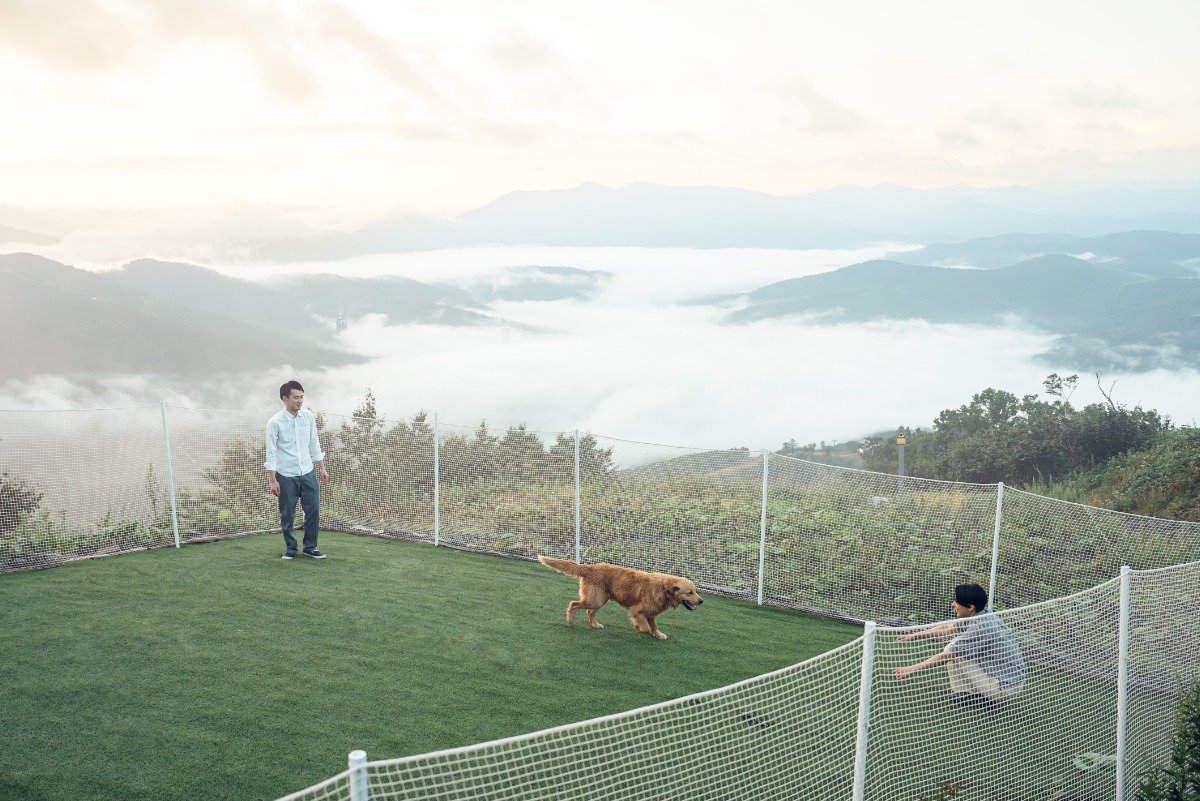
<point>1103,454</point>
<point>367,445</point>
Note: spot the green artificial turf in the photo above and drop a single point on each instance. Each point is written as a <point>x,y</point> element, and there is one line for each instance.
<point>220,671</point>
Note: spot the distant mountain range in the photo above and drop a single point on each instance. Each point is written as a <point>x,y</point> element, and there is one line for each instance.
<point>1121,301</point>
<point>650,215</point>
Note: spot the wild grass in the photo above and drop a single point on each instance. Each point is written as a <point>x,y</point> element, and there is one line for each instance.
<point>220,671</point>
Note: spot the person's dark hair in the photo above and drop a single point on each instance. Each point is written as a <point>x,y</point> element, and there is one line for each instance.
<point>971,595</point>
<point>287,388</point>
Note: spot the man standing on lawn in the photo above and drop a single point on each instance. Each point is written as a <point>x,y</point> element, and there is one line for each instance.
<point>983,660</point>
<point>292,450</point>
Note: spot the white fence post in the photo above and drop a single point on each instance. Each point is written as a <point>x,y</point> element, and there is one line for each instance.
<point>864,711</point>
<point>358,776</point>
<point>762,536</point>
<point>1123,682</point>
<point>996,544</point>
<point>170,473</point>
<point>437,486</point>
<point>578,547</point>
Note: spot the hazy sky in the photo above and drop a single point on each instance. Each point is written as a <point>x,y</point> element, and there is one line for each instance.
<point>363,106</point>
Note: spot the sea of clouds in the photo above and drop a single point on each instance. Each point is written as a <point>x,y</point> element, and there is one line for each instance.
<point>645,358</point>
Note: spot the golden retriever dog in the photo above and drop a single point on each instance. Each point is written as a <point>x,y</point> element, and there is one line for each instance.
<point>644,595</point>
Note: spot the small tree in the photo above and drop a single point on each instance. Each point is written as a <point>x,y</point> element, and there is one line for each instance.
<point>17,497</point>
<point>1180,779</point>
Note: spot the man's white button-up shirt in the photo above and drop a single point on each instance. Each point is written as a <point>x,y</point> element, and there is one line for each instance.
<point>292,444</point>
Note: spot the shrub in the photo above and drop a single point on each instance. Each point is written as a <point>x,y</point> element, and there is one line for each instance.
<point>1180,779</point>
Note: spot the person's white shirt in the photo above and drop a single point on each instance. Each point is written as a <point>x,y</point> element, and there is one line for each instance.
<point>292,444</point>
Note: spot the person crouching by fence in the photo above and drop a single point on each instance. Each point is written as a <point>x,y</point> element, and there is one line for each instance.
<point>983,658</point>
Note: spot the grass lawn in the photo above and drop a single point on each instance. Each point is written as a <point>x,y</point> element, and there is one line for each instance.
<point>220,671</point>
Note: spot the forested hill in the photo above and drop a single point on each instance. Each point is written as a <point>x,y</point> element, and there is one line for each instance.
<point>1144,254</point>
<point>180,319</point>
<point>1133,303</point>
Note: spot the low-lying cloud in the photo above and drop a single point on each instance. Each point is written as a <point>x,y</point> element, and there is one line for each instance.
<point>642,360</point>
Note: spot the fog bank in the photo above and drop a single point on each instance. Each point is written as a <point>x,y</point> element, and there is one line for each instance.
<point>646,358</point>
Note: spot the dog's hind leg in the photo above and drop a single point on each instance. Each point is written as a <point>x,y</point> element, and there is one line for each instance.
<point>575,606</point>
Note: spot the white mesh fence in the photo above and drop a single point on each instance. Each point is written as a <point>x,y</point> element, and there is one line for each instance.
<point>512,492</point>
<point>870,545</point>
<point>849,543</point>
<point>80,484</point>
<point>1050,548</point>
<point>787,734</point>
<point>684,511</point>
<point>810,731</point>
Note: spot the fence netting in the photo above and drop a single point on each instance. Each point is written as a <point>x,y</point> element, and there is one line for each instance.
<point>784,735</point>
<point>77,484</point>
<point>872,546</point>
<point>843,542</point>
<point>1050,548</point>
<point>795,733</point>
<point>848,543</point>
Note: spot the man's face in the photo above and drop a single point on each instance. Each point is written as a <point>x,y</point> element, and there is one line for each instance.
<point>960,610</point>
<point>293,401</point>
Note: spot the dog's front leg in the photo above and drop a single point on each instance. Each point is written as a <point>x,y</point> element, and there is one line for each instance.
<point>645,624</point>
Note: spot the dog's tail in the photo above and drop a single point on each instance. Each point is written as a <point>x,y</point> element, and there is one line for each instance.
<point>563,566</point>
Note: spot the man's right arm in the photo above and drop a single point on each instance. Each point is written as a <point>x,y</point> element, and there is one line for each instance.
<point>272,459</point>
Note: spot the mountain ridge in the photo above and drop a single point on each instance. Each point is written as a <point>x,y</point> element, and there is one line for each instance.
<point>1135,311</point>
<point>655,215</point>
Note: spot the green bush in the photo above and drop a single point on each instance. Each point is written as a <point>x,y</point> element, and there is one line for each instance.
<point>1179,780</point>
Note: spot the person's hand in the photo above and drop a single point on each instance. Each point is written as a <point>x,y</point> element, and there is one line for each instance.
<point>274,488</point>
<point>906,637</point>
<point>324,473</point>
<point>903,672</point>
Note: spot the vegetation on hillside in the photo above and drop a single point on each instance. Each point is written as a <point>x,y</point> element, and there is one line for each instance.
<point>17,499</point>
<point>1103,454</point>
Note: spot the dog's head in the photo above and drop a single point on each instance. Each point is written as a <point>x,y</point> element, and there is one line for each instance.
<point>682,591</point>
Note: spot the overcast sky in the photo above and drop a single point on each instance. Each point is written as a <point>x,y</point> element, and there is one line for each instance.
<point>365,106</point>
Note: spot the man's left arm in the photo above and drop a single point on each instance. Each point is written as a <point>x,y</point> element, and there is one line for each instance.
<point>940,658</point>
<point>314,450</point>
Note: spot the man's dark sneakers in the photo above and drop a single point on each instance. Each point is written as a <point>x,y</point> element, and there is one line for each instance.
<point>289,556</point>
<point>315,554</point>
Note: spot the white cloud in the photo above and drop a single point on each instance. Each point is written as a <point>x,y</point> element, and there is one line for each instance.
<point>639,362</point>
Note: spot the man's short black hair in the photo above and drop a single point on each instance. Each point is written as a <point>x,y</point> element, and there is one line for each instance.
<point>287,388</point>
<point>971,595</point>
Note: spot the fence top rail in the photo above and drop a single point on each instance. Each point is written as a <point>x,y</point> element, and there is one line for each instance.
<point>1005,612</point>
<point>1127,515</point>
<point>101,409</point>
<point>874,473</point>
<point>1049,601</point>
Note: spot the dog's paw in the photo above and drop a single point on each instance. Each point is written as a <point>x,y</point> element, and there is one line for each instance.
<point>596,625</point>
<point>659,635</point>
